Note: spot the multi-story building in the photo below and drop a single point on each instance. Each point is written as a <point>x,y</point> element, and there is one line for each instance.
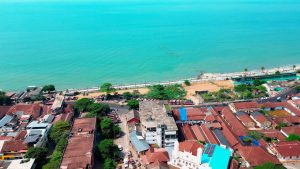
<point>158,125</point>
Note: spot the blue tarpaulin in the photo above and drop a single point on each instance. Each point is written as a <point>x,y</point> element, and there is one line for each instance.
<point>183,115</point>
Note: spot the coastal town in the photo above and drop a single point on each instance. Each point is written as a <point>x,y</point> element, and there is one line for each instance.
<point>232,121</point>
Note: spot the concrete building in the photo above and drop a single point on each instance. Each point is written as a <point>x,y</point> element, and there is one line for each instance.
<point>187,155</point>
<point>79,152</point>
<point>158,125</point>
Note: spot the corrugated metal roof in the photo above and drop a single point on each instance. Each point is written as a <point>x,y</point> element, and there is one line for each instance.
<point>139,145</point>
<point>6,119</point>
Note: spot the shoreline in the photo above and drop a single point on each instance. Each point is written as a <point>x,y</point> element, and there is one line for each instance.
<point>205,77</point>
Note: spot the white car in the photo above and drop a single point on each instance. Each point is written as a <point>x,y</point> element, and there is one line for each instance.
<point>126,163</point>
<point>120,147</point>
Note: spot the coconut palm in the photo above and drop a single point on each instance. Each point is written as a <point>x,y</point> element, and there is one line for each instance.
<point>262,69</point>
<point>294,67</point>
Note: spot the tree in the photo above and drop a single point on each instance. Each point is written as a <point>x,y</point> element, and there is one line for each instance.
<point>48,88</point>
<point>109,164</point>
<point>108,149</point>
<point>280,125</point>
<point>98,109</point>
<point>107,88</point>
<point>277,72</point>
<point>293,137</point>
<point>187,82</point>
<point>83,104</point>
<point>247,140</point>
<point>156,92</point>
<point>175,91</point>
<point>298,89</point>
<point>269,165</point>
<point>59,130</point>
<point>127,95</point>
<point>38,153</point>
<point>258,82</point>
<point>4,100</point>
<point>133,104</point>
<point>107,127</point>
<point>294,67</point>
<point>262,68</point>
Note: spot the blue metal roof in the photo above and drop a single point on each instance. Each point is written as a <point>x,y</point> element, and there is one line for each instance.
<point>183,114</point>
<point>216,156</point>
<point>6,119</point>
<point>139,145</point>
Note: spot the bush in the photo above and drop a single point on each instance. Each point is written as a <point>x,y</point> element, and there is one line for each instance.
<point>108,149</point>
<point>187,82</point>
<point>59,130</point>
<point>293,137</point>
<point>166,92</point>
<point>48,88</point>
<point>109,164</point>
<point>133,104</point>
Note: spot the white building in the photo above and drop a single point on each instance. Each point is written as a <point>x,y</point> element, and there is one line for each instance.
<point>158,125</point>
<point>187,155</point>
<point>37,133</point>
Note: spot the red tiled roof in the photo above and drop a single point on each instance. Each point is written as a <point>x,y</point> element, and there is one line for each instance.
<point>291,130</point>
<point>233,164</point>
<point>256,155</point>
<point>4,110</point>
<point>190,146</point>
<point>210,118</point>
<point>79,150</point>
<point>282,104</point>
<point>14,146</point>
<point>260,118</point>
<point>273,134</point>
<point>187,132</point>
<point>237,127</point>
<point>33,109</point>
<point>154,154</point>
<point>288,119</point>
<point>209,137</point>
<point>21,135</point>
<point>288,148</point>
<point>245,118</point>
<point>229,135</point>
<point>197,132</point>
<point>245,105</point>
<point>69,108</point>
<point>192,114</point>
<point>64,117</point>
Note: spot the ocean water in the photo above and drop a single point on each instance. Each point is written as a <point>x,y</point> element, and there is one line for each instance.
<point>84,43</point>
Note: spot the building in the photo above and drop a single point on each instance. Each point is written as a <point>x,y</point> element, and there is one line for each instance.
<point>158,124</point>
<point>255,155</point>
<point>286,131</point>
<point>215,156</point>
<point>244,106</point>
<point>138,142</point>
<point>235,125</point>
<point>37,133</point>
<point>187,155</point>
<point>13,149</point>
<point>35,110</point>
<point>261,120</point>
<point>286,150</point>
<point>8,123</point>
<point>79,152</point>
<point>155,155</point>
<point>245,119</point>
<point>18,163</point>
<point>58,104</point>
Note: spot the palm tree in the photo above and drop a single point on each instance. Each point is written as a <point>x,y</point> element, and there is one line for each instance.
<point>294,67</point>
<point>262,69</point>
<point>246,70</point>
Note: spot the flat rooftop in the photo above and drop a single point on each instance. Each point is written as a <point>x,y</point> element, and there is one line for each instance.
<point>153,113</point>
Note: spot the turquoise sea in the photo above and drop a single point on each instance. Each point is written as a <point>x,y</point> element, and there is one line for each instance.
<point>83,43</point>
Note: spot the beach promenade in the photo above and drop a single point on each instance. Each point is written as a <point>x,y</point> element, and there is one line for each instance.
<point>205,78</point>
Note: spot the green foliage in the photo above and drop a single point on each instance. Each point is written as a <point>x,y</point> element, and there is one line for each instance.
<point>298,89</point>
<point>38,153</point>
<point>256,135</point>
<point>293,137</point>
<point>133,104</point>
<point>277,72</point>
<point>269,165</point>
<point>59,129</point>
<point>98,109</point>
<point>187,82</point>
<point>4,100</point>
<point>280,125</point>
<point>247,140</point>
<point>109,164</point>
<point>108,149</point>
<point>166,92</point>
<point>254,90</point>
<point>48,88</point>
<point>83,104</point>
<point>108,128</point>
<point>107,88</point>
<point>127,95</point>
<point>221,95</point>
<point>51,165</point>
